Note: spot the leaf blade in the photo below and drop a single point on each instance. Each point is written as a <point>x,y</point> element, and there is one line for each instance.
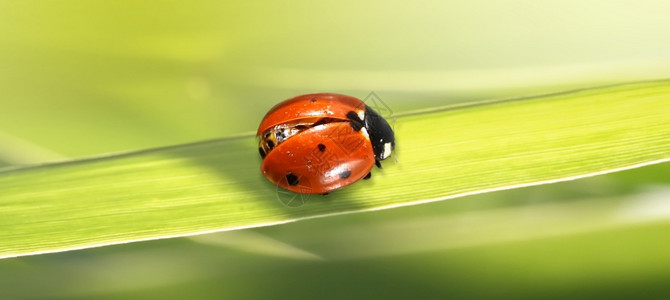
<point>215,185</point>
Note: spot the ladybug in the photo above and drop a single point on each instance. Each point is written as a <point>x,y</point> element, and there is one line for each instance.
<point>317,143</point>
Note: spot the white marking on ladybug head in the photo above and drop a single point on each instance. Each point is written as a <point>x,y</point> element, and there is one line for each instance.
<point>387,151</point>
<point>364,131</point>
<point>361,115</point>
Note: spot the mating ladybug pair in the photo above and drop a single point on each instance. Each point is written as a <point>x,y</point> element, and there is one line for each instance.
<point>316,143</point>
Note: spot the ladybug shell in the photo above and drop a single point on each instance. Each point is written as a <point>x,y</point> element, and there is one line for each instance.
<point>320,159</point>
<point>310,106</point>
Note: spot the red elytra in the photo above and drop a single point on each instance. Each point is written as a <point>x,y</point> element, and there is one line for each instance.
<point>316,143</point>
<point>318,172</point>
<point>310,106</point>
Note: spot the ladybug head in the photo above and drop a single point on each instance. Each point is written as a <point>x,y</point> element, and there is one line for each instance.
<point>381,134</point>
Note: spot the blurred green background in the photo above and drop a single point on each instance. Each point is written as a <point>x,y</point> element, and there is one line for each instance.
<point>81,78</point>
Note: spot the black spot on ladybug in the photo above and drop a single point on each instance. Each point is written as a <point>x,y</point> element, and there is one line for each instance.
<point>356,122</point>
<point>321,147</point>
<point>270,144</point>
<point>313,99</point>
<point>345,174</point>
<point>262,152</point>
<point>354,117</point>
<point>368,176</point>
<point>355,125</point>
<point>291,179</point>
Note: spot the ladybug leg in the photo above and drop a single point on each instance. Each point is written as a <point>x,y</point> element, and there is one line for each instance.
<point>368,176</point>
<point>325,194</point>
<point>378,163</point>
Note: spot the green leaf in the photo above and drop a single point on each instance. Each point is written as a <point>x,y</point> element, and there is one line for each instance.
<point>441,153</point>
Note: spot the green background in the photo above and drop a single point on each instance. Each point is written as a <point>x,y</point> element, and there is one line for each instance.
<point>82,78</point>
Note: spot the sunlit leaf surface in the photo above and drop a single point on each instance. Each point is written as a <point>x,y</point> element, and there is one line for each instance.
<point>442,153</point>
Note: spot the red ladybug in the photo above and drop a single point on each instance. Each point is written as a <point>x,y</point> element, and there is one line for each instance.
<point>316,143</point>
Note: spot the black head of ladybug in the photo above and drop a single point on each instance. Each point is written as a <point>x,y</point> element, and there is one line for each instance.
<point>379,131</point>
<point>381,135</point>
